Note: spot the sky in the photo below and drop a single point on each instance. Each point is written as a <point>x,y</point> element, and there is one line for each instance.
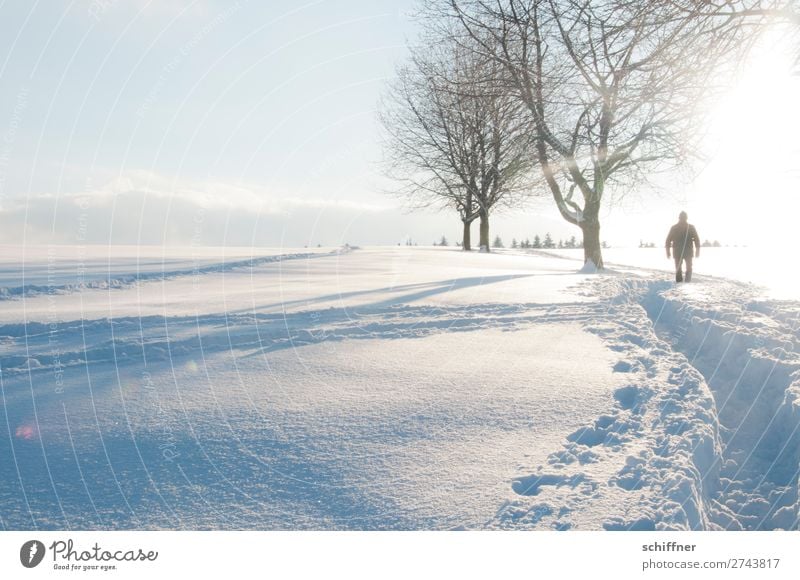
<point>254,123</point>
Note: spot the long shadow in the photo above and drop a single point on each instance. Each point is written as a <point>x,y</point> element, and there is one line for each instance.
<point>42,353</point>
<point>49,345</point>
<point>416,292</point>
<point>198,478</point>
<point>136,341</point>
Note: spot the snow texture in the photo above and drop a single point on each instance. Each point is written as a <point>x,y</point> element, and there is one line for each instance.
<point>705,434</point>
<point>394,388</point>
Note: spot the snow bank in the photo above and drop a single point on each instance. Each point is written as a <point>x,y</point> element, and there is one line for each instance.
<point>746,349</point>
<point>114,279</point>
<point>705,435</point>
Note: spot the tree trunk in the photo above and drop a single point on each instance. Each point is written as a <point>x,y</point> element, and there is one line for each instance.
<point>484,243</point>
<point>592,251</point>
<point>466,241</point>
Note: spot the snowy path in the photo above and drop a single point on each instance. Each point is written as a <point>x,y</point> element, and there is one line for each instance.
<point>746,351</point>
<point>706,435</point>
<point>396,388</point>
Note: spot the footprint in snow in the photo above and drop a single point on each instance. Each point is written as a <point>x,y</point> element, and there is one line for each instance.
<point>639,525</point>
<point>533,484</point>
<point>606,431</point>
<point>627,397</point>
<point>623,366</point>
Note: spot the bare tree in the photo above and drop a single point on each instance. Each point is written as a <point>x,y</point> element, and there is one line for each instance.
<point>613,88</point>
<point>453,140</point>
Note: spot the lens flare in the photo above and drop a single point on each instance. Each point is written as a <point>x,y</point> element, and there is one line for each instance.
<point>27,432</point>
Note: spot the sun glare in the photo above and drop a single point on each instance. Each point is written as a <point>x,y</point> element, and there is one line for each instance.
<point>752,180</point>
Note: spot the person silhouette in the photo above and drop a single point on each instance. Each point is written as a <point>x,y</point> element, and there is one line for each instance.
<point>680,239</point>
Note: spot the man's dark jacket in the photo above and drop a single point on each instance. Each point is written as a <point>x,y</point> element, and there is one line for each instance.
<point>680,239</point>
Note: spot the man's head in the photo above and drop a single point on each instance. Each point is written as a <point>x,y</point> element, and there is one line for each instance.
<point>682,217</point>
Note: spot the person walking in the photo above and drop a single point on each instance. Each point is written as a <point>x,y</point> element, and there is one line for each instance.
<point>682,236</point>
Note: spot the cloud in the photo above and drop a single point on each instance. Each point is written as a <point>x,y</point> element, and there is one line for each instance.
<point>141,207</point>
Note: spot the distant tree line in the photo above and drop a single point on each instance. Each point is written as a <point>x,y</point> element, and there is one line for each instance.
<point>705,244</point>
<point>546,243</point>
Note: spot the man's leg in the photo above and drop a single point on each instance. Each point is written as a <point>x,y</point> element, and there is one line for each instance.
<point>688,268</point>
<point>678,273</point>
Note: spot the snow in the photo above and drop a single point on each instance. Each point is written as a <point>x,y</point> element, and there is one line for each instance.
<point>769,268</point>
<point>389,388</point>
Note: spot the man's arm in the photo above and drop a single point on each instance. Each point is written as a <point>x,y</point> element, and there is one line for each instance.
<point>696,240</point>
<point>668,243</point>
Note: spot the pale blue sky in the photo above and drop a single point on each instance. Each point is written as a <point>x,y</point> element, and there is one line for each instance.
<point>204,89</point>
<point>254,122</point>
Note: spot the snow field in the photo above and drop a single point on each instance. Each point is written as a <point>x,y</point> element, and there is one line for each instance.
<point>377,389</point>
<point>397,388</point>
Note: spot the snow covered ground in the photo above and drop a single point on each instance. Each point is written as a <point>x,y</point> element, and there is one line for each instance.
<point>389,388</point>
<point>768,267</point>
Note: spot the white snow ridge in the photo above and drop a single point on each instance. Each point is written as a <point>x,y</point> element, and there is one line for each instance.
<point>705,435</point>
<point>393,388</point>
